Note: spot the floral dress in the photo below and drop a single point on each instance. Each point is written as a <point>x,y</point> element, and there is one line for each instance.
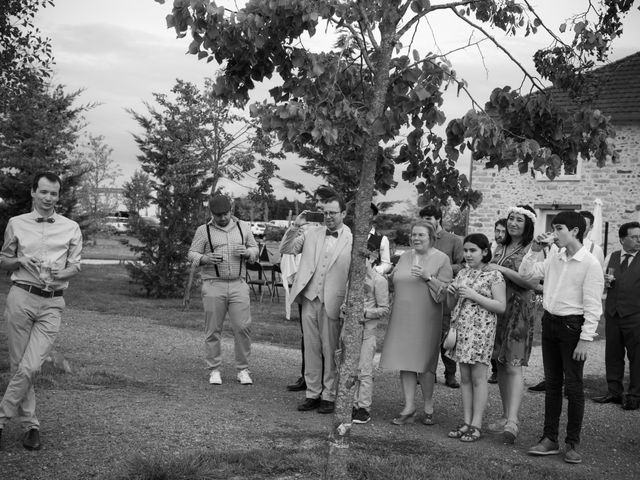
<point>475,325</point>
<point>514,333</point>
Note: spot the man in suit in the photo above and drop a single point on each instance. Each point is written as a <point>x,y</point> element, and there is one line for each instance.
<point>622,315</point>
<point>320,286</point>
<point>450,244</point>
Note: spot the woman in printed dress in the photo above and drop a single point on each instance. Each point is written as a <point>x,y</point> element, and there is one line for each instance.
<point>514,332</point>
<point>479,295</point>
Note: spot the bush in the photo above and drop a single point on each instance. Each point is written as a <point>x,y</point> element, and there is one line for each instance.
<point>274,234</point>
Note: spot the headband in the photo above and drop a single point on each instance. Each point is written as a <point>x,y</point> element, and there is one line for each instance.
<point>522,211</point>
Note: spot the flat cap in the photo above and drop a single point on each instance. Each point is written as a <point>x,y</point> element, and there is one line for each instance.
<point>219,204</point>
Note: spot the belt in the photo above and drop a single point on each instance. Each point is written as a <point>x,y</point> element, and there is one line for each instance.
<point>38,291</point>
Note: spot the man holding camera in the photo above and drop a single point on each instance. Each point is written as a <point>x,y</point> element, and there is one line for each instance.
<point>320,286</point>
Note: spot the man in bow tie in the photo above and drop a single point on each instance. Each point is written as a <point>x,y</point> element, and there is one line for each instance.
<point>42,250</point>
<point>320,286</point>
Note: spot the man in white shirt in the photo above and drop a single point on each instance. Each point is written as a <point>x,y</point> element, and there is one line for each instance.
<point>573,285</point>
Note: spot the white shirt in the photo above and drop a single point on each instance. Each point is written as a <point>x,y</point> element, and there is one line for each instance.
<point>595,250</point>
<point>622,254</point>
<point>572,286</point>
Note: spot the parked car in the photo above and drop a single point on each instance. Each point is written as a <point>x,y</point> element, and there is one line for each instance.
<point>117,225</point>
<point>258,228</point>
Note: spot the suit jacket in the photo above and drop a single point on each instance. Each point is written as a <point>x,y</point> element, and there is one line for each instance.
<point>623,296</point>
<point>310,245</point>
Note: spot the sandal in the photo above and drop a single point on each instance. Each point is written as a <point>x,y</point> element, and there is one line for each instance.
<point>459,431</point>
<point>428,419</point>
<point>473,434</point>
<point>510,432</point>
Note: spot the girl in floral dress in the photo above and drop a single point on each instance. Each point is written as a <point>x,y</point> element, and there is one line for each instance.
<point>479,295</point>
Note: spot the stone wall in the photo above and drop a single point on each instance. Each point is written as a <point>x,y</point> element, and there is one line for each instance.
<point>617,185</point>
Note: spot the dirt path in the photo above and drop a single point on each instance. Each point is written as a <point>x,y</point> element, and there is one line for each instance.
<point>143,391</point>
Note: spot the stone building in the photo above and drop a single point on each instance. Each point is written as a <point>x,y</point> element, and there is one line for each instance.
<point>616,185</point>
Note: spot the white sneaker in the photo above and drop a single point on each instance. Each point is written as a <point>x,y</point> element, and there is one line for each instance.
<point>244,378</point>
<point>214,378</point>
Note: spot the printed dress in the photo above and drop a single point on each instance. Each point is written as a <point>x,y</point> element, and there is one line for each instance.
<point>514,333</point>
<point>475,325</point>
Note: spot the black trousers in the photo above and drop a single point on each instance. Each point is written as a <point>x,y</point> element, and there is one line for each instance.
<point>560,335</point>
<point>622,334</point>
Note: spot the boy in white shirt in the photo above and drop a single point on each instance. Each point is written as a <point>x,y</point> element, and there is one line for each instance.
<point>573,286</point>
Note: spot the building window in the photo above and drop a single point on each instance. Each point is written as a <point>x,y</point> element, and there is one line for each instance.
<point>541,177</point>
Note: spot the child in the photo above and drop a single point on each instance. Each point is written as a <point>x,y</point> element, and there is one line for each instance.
<point>572,291</point>
<point>376,306</point>
<point>479,295</point>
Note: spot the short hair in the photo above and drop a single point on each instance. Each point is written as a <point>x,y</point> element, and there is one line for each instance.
<point>625,227</point>
<point>326,194</point>
<point>527,234</point>
<point>431,231</point>
<point>52,177</point>
<point>571,220</point>
<point>502,221</point>
<point>431,211</point>
<point>482,242</point>
<point>589,215</point>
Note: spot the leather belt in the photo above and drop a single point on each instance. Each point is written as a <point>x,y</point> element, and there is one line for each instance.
<point>38,291</point>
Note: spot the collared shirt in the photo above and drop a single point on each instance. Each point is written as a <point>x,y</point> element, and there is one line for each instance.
<point>622,259</point>
<point>58,244</point>
<point>223,240</point>
<point>385,254</point>
<point>595,250</point>
<point>376,296</point>
<point>451,244</point>
<point>572,286</point>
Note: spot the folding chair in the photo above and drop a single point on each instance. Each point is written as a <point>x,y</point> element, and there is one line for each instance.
<point>255,277</point>
<point>277,281</point>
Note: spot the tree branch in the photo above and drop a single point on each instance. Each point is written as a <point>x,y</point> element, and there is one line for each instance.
<point>533,80</point>
<point>418,16</point>
<point>372,38</point>
<point>555,37</point>
<point>361,45</point>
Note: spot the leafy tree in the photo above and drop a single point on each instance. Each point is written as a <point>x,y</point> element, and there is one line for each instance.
<point>362,95</point>
<point>99,173</point>
<point>137,193</point>
<point>38,131</point>
<point>25,56</point>
<point>186,149</point>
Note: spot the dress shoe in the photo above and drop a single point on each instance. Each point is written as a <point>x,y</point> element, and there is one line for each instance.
<point>607,398</point>
<point>451,382</point>
<point>298,386</point>
<point>31,440</point>
<point>309,404</point>
<point>539,387</point>
<point>631,404</point>
<point>326,406</point>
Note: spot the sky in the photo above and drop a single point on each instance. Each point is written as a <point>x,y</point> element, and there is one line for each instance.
<point>119,52</point>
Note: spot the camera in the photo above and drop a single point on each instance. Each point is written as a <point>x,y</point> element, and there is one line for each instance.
<point>317,217</point>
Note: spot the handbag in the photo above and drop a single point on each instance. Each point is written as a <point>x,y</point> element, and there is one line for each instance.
<point>450,339</point>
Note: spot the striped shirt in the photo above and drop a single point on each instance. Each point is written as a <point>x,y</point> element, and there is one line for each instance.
<point>58,244</point>
<point>223,241</point>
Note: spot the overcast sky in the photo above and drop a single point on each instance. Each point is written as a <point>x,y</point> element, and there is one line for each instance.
<point>120,52</point>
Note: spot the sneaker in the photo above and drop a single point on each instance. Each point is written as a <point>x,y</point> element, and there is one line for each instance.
<point>545,447</point>
<point>215,378</point>
<point>361,416</point>
<point>571,455</point>
<point>244,378</point>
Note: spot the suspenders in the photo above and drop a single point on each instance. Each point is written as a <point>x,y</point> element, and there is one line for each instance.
<point>211,247</point>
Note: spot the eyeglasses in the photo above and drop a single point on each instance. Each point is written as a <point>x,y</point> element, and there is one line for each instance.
<point>634,237</point>
<point>330,214</point>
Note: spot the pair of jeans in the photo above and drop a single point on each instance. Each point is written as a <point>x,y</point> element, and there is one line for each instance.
<point>560,335</point>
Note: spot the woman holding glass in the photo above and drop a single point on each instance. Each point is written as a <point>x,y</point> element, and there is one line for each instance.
<point>514,332</point>
<point>412,342</point>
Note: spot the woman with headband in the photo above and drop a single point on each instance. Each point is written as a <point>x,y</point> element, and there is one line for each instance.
<point>514,331</point>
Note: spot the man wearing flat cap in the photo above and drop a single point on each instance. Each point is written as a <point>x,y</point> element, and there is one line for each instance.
<point>222,247</point>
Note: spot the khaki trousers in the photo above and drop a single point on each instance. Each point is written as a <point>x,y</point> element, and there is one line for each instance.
<point>220,297</point>
<point>320,335</point>
<point>364,384</point>
<point>33,323</point>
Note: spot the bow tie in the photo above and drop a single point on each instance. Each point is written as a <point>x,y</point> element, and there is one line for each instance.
<point>332,234</point>
<point>42,219</point>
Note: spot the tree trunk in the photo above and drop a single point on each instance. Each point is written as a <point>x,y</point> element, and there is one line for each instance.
<point>348,355</point>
